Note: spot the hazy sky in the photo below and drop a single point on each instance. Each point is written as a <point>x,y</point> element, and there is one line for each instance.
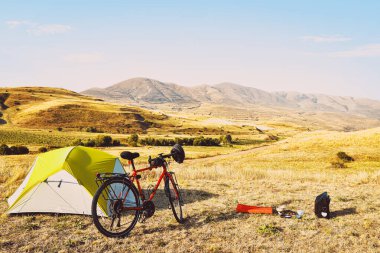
<point>327,46</point>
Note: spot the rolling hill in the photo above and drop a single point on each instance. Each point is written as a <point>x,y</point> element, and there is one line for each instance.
<point>145,91</point>
<point>52,108</point>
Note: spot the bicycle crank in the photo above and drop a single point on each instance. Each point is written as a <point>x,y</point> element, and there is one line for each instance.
<point>148,211</point>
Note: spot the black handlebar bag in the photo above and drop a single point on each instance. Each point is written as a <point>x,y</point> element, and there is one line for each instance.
<point>322,206</point>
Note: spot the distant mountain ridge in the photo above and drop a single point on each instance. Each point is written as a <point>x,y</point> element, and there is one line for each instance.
<point>150,91</point>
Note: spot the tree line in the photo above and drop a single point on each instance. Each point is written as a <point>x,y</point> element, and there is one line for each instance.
<point>134,140</point>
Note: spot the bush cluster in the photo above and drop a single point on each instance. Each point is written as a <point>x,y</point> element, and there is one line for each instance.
<point>13,150</point>
<point>100,141</point>
<point>42,150</point>
<point>205,141</point>
<point>3,97</point>
<point>150,141</point>
<point>344,157</point>
<point>133,140</point>
<point>226,139</point>
<point>197,141</point>
<point>93,130</point>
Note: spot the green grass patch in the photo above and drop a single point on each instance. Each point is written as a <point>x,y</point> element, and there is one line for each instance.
<point>20,136</point>
<point>268,229</point>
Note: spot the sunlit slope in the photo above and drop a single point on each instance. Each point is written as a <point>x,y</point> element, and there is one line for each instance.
<point>275,116</point>
<point>317,150</point>
<point>51,108</point>
<point>154,93</point>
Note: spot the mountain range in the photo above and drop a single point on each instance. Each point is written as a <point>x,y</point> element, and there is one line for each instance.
<point>143,91</point>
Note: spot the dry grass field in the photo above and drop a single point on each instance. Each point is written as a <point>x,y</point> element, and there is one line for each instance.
<point>292,172</point>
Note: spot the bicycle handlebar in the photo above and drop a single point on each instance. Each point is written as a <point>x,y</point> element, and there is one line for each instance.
<point>165,156</point>
<point>158,161</point>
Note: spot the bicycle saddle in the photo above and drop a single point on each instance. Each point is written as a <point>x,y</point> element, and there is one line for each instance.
<point>129,155</point>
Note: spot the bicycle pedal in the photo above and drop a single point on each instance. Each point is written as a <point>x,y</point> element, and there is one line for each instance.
<point>142,219</point>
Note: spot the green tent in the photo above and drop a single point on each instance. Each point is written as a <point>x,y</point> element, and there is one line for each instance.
<point>63,181</point>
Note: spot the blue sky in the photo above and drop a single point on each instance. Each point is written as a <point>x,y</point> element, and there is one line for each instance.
<point>330,47</point>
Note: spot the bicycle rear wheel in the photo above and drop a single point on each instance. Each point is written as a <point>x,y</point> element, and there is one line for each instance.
<point>175,198</point>
<point>108,207</point>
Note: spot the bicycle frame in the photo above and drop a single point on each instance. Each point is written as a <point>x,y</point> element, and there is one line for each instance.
<point>134,176</point>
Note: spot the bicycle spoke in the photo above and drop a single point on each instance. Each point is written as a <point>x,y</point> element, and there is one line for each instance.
<point>118,221</point>
<point>113,219</point>
<point>174,196</point>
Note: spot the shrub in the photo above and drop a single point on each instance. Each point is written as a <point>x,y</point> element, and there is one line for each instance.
<point>60,129</point>
<point>3,97</point>
<point>226,139</point>
<point>134,138</point>
<point>198,141</point>
<point>5,150</point>
<point>344,157</point>
<point>116,143</point>
<point>77,142</point>
<point>93,130</point>
<point>89,143</point>
<point>19,150</point>
<point>132,144</point>
<point>42,150</point>
<point>103,141</point>
<point>184,141</point>
<point>202,141</point>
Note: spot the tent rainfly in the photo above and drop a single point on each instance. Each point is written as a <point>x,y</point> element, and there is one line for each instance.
<point>63,181</point>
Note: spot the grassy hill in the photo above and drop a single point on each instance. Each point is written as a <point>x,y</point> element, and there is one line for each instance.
<point>50,108</point>
<point>42,108</point>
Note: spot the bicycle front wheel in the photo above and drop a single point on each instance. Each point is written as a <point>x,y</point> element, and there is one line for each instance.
<point>175,198</point>
<point>115,207</point>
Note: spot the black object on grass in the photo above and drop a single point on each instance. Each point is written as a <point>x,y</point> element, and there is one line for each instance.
<point>322,206</point>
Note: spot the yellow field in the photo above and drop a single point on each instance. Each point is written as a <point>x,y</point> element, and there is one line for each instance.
<point>292,172</point>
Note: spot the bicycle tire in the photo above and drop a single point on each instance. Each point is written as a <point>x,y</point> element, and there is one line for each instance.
<point>95,208</point>
<point>175,202</point>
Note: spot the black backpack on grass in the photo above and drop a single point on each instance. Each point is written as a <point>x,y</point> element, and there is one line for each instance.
<point>322,206</point>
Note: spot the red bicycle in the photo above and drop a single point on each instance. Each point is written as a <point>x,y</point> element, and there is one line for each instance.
<point>118,205</point>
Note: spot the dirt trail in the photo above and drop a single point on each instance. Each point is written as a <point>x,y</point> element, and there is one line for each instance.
<point>235,154</point>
